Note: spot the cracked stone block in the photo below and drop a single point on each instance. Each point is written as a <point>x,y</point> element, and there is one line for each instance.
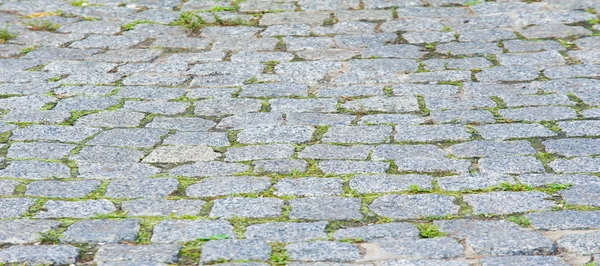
<point>309,186</point>
<point>432,165</point>
<point>352,167</point>
<point>228,185</point>
<point>42,150</point>
<point>414,206</point>
<point>522,260</point>
<point>76,209</point>
<point>512,202</point>
<point>142,188</point>
<point>434,248</point>
<point>118,170</point>
<point>35,170</point>
<point>162,207</point>
<point>389,183</point>
<point>242,121</point>
<point>537,114</point>
<point>577,165</point>
<point>60,189</point>
<point>156,253</point>
<point>582,195</point>
<point>172,231</point>
<point>491,148</point>
<point>580,128</point>
<point>111,119</point>
<point>214,168</point>
<point>323,251</point>
<point>246,208</point>
<point>326,208</point>
<point>181,154</point>
<point>131,137</point>
<point>378,232</point>
<point>276,134</point>
<point>511,165</point>
<point>514,131</point>
<point>232,249</point>
<point>198,138</point>
<point>7,187</point>
<point>357,134</point>
<point>392,152</point>
<point>384,104</point>
<point>473,182</point>
<point>107,154</point>
<point>279,166</point>
<point>325,151</point>
<point>102,231</point>
<point>432,133</point>
<point>42,254</point>
<point>260,152</point>
<point>24,231</point>
<point>573,147</point>
<point>287,232</point>
<point>565,220</point>
<point>585,243</point>
<point>498,237</point>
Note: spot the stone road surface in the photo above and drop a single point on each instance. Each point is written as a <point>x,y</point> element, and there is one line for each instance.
<point>300,132</point>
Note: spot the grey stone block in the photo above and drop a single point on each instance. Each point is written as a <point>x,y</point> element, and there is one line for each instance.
<point>259,152</point>
<point>142,188</point>
<point>246,208</point>
<point>384,104</point>
<point>7,187</point>
<point>473,182</point>
<point>24,231</point>
<point>547,179</point>
<point>181,154</point>
<point>537,114</point>
<point>76,209</point>
<point>58,133</point>
<point>199,138</point>
<point>431,133</point>
<point>209,169</point>
<point>414,206</point>
<point>162,207</point>
<point>357,134</point>
<point>35,170</point>
<point>431,165</point>
<point>43,254</point>
<point>276,134</point>
<point>156,253</point>
<point>379,232</point>
<point>216,107</point>
<point>392,152</point>
<point>309,186</point>
<point>577,165</point>
<point>326,208</point>
<point>389,183</point>
<point>60,189</point>
<point>584,244</point>
<point>565,220</point>
<point>247,120</point>
<point>223,185</point>
<point>274,90</point>
<point>325,151</point>
<point>490,148</point>
<point>287,232</point>
<point>303,105</point>
<point>107,154</point>
<point>434,248</point>
<point>134,137</point>
<point>171,231</point>
<point>323,251</point>
<point>505,73</point>
<point>394,119</point>
<point>14,207</point>
<point>514,131</point>
<point>318,119</point>
<point>351,167</point>
<point>232,249</point>
<point>102,231</point>
<point>573,147</point>
<point>580,128</point>
<point>512,202</point>
<point>582,195</point>
<point>511,165</point>
<point>279,166</point>
<point>122,170</point>
<point>523,260</point>
<point>111,119</point>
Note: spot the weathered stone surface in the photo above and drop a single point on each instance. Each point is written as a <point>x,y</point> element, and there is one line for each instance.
<point>513,131</point>
<point>162,207</point>
<point>357,134</point>
<point>276,134</point>
<point>384,104</point>
<point>565,220</point>
<point>389,183</point>
<point>157,253</point>
<point>41,150</point>
<point>102,231</point>
<point>523,260</point>
<point>349,167</point>
<point>122,170</point>
<point>473,182</point>
<point>141,188</point>
<point>180,154</point>
<point>43,254</point>
<point>279,166</point>
<point>14,207</point>
<point>326,208</point>
<point>487,148</point>
<point>24,231</point>
<point>323,251</point>
<point>585,244</point>
<point>309,186</point>
<point>235,250</point>
<point>259,152</point>
<point>214,168</point>
<point>59,189</point>
<point>76,209</point>
<point>511,202</point>
<point>582,195</point>
<point>510,165</point>
<point>220,186</point>
<point>246,208</point>
<point>287,232</point>
<point>7,187</point>
<point>414,206</point>
<point>172,231</point>
<point>435,248</point>
<point>137,138</point>
<point>379,232</point>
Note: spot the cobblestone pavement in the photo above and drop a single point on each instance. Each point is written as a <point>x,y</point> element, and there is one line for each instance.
<point>300,132</point>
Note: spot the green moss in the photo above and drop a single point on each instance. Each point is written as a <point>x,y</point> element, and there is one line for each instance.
<point>520,220</point>
<point>80,3</point>
<point>26,50</point>
<point>422,105</point>
<point>50,237</point>
<point>513,187</point>
<point>5,35</point>
<point>4,137</point>
<point>428,230</point>
<point>279,256</point>
<point>42,25</point>
<point>131,25</point>
<point>191,21</point>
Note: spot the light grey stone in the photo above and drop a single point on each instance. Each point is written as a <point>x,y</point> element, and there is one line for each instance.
<point>259,152</point>
<point>491,148</point>
<point>24,231</point>
<point>35,170</point>
<point>392,152</point>
<point>279,166</point>
<point>222,186</point>
<point>435,248</point>
<point>246,208</point>
<point>198,138</point>
<point>473,182</point>
<point>76,209</point>
<point>216,107</point>
<point>537,180</point>
<point>333,152</point>
<point>357,134</point>
<point>107,154</point>
<point>510,165</point>
<point>142,188</point>
<point>432,133</point>
<point>318,119</point>
<point>287,232</point>
<point>62,189</point>
<point>303,105</point>
<point>247,120</point>
<point>116,170</point>
<point>323,251</point>
<point>172,231</point>
<point>326,208</point>
<point>512,202</point>
<point>162,207</point>
<point>133,137</point>
<point>274,90</point>
<point>7,187</point>
<point>42,150</point>
<point>276,134</point>
<point>537,114</point>
<point>432,165</point>
<point>342,167</point>
<point>585,244</point>
<point>389,183</point>
<point>580,128</point>
<point>577,165</point>
<point>565,220</point>
<point>102,231</point>
<point>232,249</point>
<point>513,131</point>
<point>42,254</point>
<point>111,119</point>
<point>384,104</point>
<point>379,232</point>
<point>214,168</point>
<point>180,154</point>
<point>414,206</point>
<point>395,119</point>
<point>582,195</point>
<point>573,147</point>
<point>309,186</point>
<point>523,260</point>
<point>142,254</point>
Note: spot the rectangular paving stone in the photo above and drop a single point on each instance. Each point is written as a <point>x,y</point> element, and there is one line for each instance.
<point>342,167</point>
<point>384,104</point>
<point>181,154</point>
<point>468,182</point>
<point>40,150</point>
<point>14,207</point>
<point>7,187</point>
<point>111,119</point>
<point>173,231</point>
<point>387,231</point>
<point>276,134</point>
<point>24,231</point>
<point>76,209</point>
<point>523,260</point>
<point>214,168</point>
<point>303,105</point>
<point>62,189</point>
<point>102,231</point>
<point>115,170</point>
<point>325,151</point>
<point>576,165</point>
<point>510,165</point>
<point>498,237</point>
<point>392,152</point>
<point>394,119</point>
<point>463,63</point>
<point>274,90</point>
<point>142,188</point>
<point>580,128</point>
<point>434,248</point>
<point>287,231</point>
<point>318,119</point>
<point>508,73</point>
<point>313,17</point>
<point>537,180</point>
<point>107,154</point>
<point>241,121</point>
<point>512,100</point>
<point>134,137</point>
<point>405,206</point>
<point>323,251</point>
<point>520,46</point>
<point>223,185</point>
<point>326,208</point>
<point>357,134</point>
<point>181,123</point>
<point>573,147</point>
<point>513,131</point>
<point>582,195</point>
<point>460,103</point>
<point>246,208</point>
<point>389,183</point>
<point>309,186</point>
<point>490,148</point>
<point>280,166</point>
<point>162,207</point>
<point>512,202</point>
<point>431,133</point>
<point>198,138</point>
<point>156,253</point>
<point>468,48</point>
<point>35,170</point>
<point>580,243</point>
<point>565,220</point>
<point>42,254</point>
<point>232,249</point>
<point>537,114</point>
<point>259,152</point>
<point>156,107</point>
<point>538,59</point>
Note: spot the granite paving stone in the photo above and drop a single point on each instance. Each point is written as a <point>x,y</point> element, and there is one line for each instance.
<point>287,232</point>
<point>62,189</point>
<point>414,206</point>
<point>379,232</point>
<point>223,185</point>
<point>42,254</point>
<point>76,209</point>
<point>309,186</point>
<point>512,202</point>
<point>246,208</point>
<point>24,231</point>
<point>323,251</point>
<point>172,231</point>
<point>162,207</point>
<point>157,253</point>
<point>102,231</point>
<point>141,188</point>
<point>326,208</point>
<point>585,243</point>
<point>434,248</point>
<point>565,220</point>
<point>281,166</point>
<point>233,249</point>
